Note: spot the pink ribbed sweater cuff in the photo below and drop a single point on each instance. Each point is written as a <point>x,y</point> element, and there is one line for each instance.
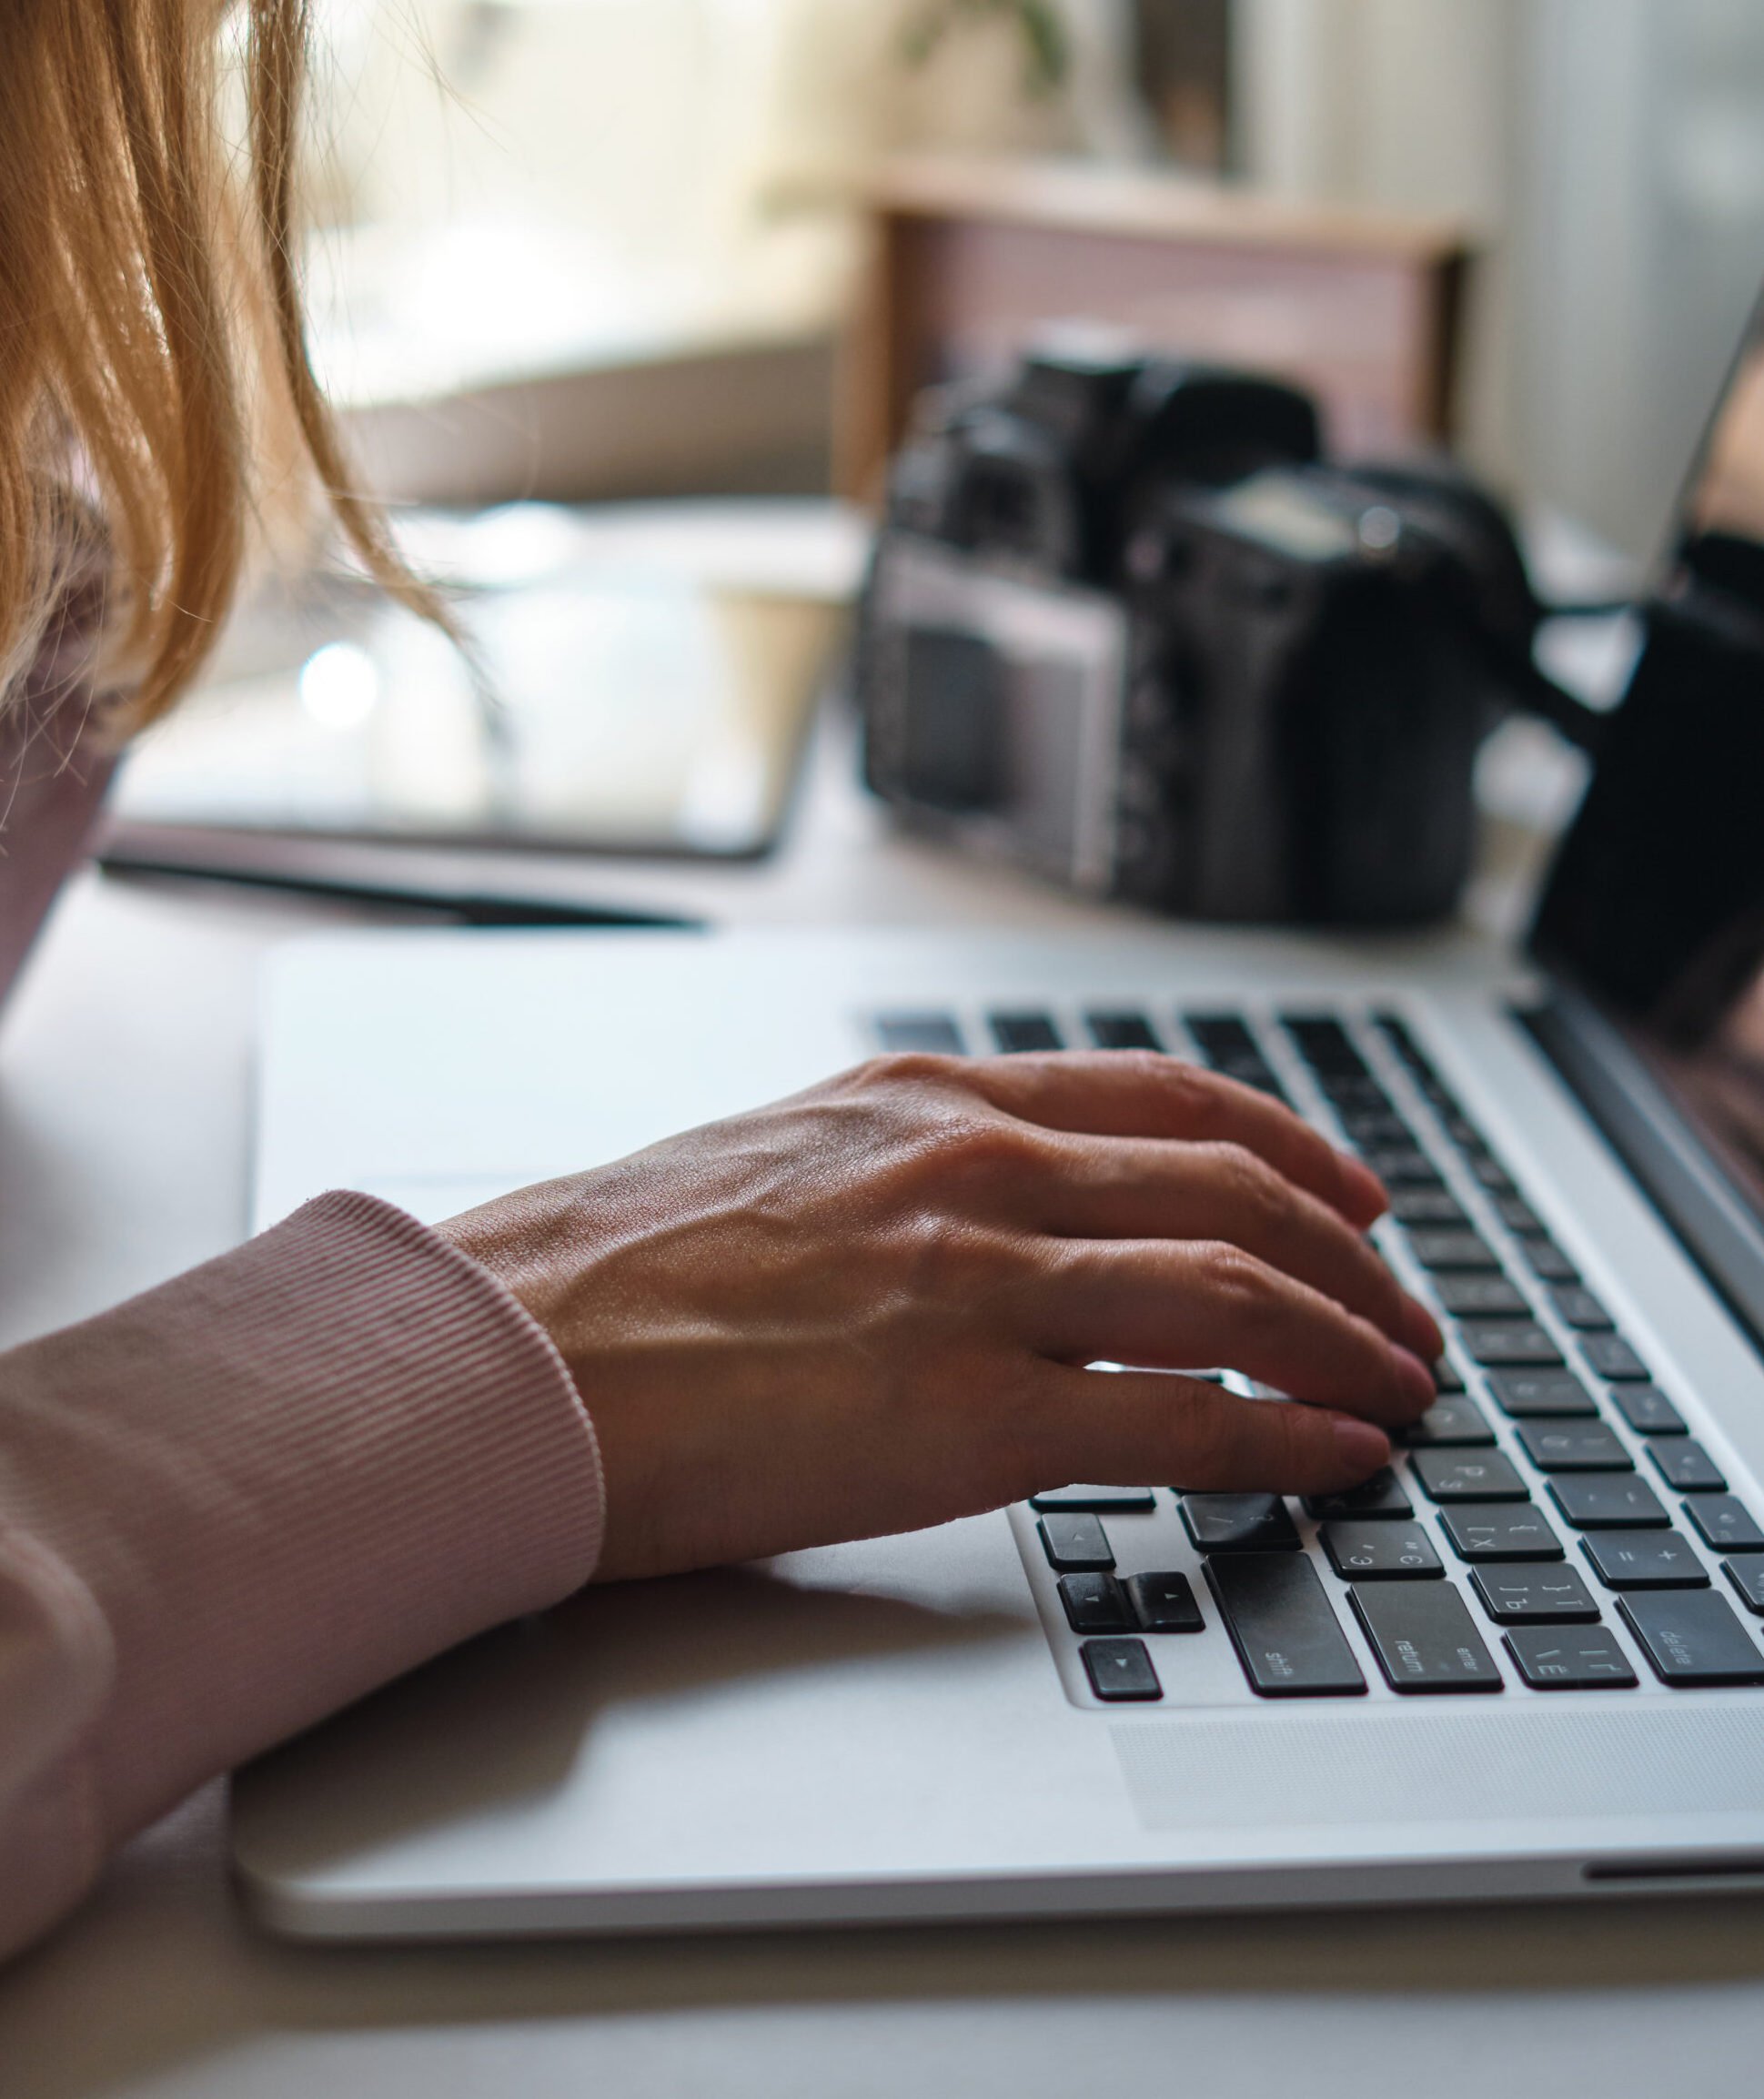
<point>289,1475</point>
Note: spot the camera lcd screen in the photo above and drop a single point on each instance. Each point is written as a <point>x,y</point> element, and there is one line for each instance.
<point>1656,904</point>
<point>1005,707</point>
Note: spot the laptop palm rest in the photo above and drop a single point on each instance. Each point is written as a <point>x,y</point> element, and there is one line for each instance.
<point>744,1747</point>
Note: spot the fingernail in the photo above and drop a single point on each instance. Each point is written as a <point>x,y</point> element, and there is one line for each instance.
<point>1413,1375</point>
<point>1363,1448</point>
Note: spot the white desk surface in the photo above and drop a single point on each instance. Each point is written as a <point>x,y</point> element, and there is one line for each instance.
<point>123,1147</point>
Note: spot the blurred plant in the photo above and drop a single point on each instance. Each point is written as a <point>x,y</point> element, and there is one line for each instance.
<point>1046,49</point>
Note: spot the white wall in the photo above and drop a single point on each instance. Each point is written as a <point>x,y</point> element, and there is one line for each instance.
<point>1611,154</point>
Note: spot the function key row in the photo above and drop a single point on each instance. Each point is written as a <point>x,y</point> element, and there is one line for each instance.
<point>1224,1041</point>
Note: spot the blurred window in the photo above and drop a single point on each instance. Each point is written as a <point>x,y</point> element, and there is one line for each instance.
<point>511,186</point>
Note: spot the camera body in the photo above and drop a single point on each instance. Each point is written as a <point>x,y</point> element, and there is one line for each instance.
<point>1125,625</point>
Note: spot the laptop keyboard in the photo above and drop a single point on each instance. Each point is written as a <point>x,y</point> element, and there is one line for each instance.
<point>1552,1525</point>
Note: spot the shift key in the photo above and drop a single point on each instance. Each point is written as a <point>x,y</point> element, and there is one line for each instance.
<point>1283,1626</point>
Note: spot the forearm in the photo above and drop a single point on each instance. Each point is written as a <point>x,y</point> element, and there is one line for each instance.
<point>239,1502</point>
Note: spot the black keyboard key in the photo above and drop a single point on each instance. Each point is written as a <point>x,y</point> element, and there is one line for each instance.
<point>920,1033</point>
<point>1075,1545</point>
<point>1226,1044</point>
<point>1459,1475</point>
<point>1465,1251</point>
<point>1428,1206</point>
<point>1324,1044</point>
<point>1748,1579</point>
<point>1381,1552</point>
<point>1367,1129</point>
<point>1402,1166</point>
<point>1649,1411</point>
<point>1548,1262</point>
<point>1693,1639</point>
<point>1095,1603</point>
<point>1580,1309</point>
<point>1164,1603</point>
<point>1512,1344</point>
<point>1724,1521</point>
<point>1447,1377</point>
<point>1687,1468</point>
<point>1574,1447</point>
<point>1350,1094</point>
<point>1121,1671</point>
<point>1019,1034</point>
<point>1381,1496</point>
<point>1396,1031</point>
<point>1609,1501</point>
<point>1489,1173</point>
<point>1541,1394</point>
<point>1239,1523</point>
<point>1122,1031</point>
<point>1425,1638</point>
<point>1499,1536</point>
<point>1518,1216</point>
<point>1225,1034</point>
<point>1095,1501</point>
<point>1614,1359</point>
<point>1481,1297</point>
<point>1590,1660</point>
<point>1451,1423</point>
<point>1230,1048</point>
<point>1284,1627</point>
<point>1644,1559</point>
<point>1534,1596</point>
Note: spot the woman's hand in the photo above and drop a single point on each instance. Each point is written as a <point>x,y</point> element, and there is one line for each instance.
<point>868,1308</point>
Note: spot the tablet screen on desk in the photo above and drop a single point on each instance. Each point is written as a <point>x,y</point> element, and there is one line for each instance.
<point>641,682</point>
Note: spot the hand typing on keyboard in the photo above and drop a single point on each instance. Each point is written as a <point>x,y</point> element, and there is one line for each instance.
<point>868,1308</point>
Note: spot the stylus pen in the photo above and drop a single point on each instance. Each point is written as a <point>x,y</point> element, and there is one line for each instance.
<point>462,907</point>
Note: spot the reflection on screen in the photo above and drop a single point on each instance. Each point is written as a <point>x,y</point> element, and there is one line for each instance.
<point>1656,904</point>
<point>1717,1077</point>
<point>1707,1033</point>
<point>1730,495</point>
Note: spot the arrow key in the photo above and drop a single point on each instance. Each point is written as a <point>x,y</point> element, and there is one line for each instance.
<point>1121,1671</point>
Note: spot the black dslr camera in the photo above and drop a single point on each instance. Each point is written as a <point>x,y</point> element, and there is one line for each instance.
<point>1124,624</point>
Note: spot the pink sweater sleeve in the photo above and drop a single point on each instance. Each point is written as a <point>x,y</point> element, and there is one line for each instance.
<point>242,1500</point>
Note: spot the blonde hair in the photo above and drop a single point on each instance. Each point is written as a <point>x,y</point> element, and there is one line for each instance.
<point>151,323</point>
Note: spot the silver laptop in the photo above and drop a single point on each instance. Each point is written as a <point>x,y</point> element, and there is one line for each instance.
<point>1526,1661</point>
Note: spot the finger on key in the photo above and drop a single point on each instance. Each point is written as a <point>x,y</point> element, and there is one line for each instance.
<point>1124,1187</point>
<point>1131,1427</point>
<point>1167,1306</point>
<point>1139,1093</point>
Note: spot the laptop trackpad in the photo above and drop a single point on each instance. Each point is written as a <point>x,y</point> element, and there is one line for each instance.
<point>1529,1763</point>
